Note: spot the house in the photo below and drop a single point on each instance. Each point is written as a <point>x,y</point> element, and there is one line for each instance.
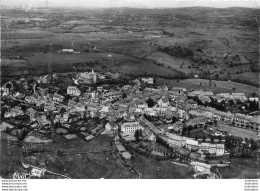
<point>99,88</point>
<point>111,96</point>
<point>150,136</point>
<point>30,99</point>
<point>15,111</point>
<point>4,126</point>
<point>57,97</point>
<point>147,80</point>
<point>104,109</point>
<point>174,140</point>
<point>220,149</point>
<point>163,102</point>
<point>5,91</point>
<point>239,96</point>
<point>111,126</point>
<point>150,111</point>
<point>31,112</point>
<point>242,119</point>
<point>87,77</point>
<point>178,90</point>
<point>130,127</point>
<point>120,147</point>
<point>37,172</point>
<point>73,90</point>
<point>126,155</point>
<point>192,144</point>
<point>255,122</point>
<point>79,107</point>
<point>213,149</point>
<point>67,51</point>
<point>200,93</point>
<point>165,88</point>
<point>204,147</point>
<point>201,167</point>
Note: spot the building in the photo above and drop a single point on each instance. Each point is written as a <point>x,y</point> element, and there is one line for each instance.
<point>147,80</point>
<point>201,167</point>
<point>111,96</point>
<point>192,144</point>
<point>150,136</point>
<point>239,96</point>
<point>4,126</point>
<point>130,127</point>
<point>164,102</point>
<point>174,140</point>
<point>87,77</point>
<point>204,147</point>
<point>111,126</point>
<point>73,90</point>
<point>213,149</point>
<point>57,97</point>
<point>200,93</point>
<point>67,51</point>
<point>220,149</point>
<point>31,112</point>
<point>178,90</point>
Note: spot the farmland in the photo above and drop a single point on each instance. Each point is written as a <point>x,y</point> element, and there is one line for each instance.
<point>222,43</point>
<point>250,168</point>
<point>201,84</point>
<point>239,132</point>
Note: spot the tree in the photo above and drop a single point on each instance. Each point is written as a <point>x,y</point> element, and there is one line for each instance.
<point>254,94</point>
<point>137,135</point>
<point>140,132</point>
<point>204,137</point>
<point>150,102</point>
<point>184,130</point>
<point>124,95</point>
<point>196,137</point>
<point>217,76</point>
<point>205,126</point>
<point>189,128</point>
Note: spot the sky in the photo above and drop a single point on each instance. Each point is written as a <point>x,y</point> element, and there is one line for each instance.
<point>135,3</point>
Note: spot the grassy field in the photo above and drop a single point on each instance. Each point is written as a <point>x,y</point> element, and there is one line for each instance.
<point>123,31</point>
<point>181,64</point>
<point>221,86</point>
<point>152,169</point>
<point>241,169</point>
<point>240,132</point>
<point>9,160</point>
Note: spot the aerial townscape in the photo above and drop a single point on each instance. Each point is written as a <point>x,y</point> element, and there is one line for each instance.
<point>96,98</point>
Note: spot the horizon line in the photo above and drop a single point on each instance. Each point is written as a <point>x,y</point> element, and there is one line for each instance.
<point>128,7</point>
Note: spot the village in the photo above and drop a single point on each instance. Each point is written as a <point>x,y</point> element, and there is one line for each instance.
<point>200,129</point>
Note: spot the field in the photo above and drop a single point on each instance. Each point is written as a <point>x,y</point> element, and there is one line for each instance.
<point>181,64</point>
<point>152,169</point>
<point>134,36</point>
<point>9,159</point>
<point>240,132</point>
<point>241,169</point>
<point>201,84</point>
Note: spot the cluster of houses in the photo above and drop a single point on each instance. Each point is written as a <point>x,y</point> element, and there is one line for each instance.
<point>117,102</point>
<point>130,103</point>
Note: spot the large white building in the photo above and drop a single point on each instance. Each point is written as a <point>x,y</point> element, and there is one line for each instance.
<point>147,80</point>
<point>88,77</point>
<point>130,127</point>
<point>200,167</point>
<point>73,90</point>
